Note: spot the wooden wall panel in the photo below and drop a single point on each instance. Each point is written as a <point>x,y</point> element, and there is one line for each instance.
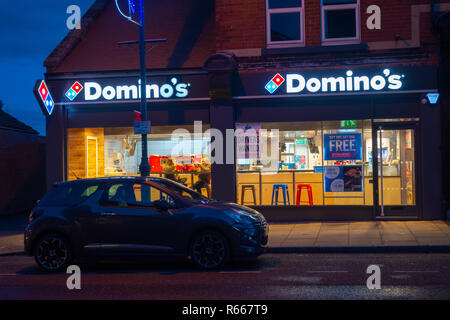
<point>77,139</point>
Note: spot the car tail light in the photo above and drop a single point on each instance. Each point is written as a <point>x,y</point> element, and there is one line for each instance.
<point>34,214</point>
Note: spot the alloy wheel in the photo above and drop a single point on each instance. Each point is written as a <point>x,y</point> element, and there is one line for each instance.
<point>52,253</point>
<point>209,250</point>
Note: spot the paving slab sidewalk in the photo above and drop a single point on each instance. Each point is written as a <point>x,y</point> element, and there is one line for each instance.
<point>368,236</point>
<point>360,236</point>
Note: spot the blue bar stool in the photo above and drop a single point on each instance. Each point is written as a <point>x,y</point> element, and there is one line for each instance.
<point>285,190</point>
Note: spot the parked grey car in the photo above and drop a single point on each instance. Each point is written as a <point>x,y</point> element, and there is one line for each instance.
<point>130,217</point>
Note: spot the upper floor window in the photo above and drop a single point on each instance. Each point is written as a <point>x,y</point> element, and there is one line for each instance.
<point>340,22</point>
<point>285,22</point>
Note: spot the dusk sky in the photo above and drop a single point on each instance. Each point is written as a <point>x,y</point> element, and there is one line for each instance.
<point>30,30</point>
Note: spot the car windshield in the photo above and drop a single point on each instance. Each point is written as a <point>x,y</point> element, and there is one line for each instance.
<point>182,190</point>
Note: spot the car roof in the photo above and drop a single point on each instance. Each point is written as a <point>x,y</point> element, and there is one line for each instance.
<point>111,179</point>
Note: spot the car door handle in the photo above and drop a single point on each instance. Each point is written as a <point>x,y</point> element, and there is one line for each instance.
<point>109,213</point>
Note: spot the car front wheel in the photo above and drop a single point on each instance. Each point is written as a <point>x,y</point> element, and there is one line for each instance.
<point>53,253</point>
<point>209,250</point>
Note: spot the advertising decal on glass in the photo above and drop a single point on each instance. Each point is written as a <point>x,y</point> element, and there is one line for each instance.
<point>342,146</point>
<point>343,178</point>
<point>247,138</point>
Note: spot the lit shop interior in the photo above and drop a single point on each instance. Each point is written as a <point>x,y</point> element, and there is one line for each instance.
<point>314,165</point>
<point>98,152</point>
<point>328,163</point>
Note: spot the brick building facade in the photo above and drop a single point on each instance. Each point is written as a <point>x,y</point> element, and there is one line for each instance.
<point>339,63</point>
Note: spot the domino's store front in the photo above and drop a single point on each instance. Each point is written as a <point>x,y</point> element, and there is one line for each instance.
<point>350,144</point>
<point>353,143</point>
<point>91,129</point>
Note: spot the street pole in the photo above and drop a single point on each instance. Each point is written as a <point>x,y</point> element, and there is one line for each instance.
<point>144,167</point>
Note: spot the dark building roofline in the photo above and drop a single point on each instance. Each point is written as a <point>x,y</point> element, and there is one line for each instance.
<point>74,36</point>
<point>8,122</point>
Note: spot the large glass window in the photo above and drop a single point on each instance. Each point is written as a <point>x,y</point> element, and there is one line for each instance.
<point>98,152</point>
<point>284,22</point>
<point>340,21</point>
<point>325,163</point>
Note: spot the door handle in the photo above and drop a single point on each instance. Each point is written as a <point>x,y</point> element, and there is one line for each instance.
<point>110,213</point>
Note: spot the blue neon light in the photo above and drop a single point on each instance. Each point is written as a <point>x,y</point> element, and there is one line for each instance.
<point>433,97</point>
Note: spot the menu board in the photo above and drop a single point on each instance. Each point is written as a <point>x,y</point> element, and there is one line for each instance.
<point>343,178</point>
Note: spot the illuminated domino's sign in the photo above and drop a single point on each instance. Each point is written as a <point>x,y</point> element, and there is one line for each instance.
<point>44,97</point>
<point>348,82</point>
<point>94,91</point>
<point>73,91</point>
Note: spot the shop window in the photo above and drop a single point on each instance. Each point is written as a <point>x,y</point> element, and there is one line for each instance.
<point>285,23</point>
<point>327,163</point>
<point>97,152</point>
<point>299,162</point>
<point>345,166</point>
<point>340,22</point>
<point>304,160</point>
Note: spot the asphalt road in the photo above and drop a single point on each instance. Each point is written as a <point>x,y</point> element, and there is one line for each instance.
<point>272,276</point>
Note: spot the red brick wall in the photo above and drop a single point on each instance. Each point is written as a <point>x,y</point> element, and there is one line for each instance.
<point>395,19</point>
<point>312,23</point>
<point>242,24</point>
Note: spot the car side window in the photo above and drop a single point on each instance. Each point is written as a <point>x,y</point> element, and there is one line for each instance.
<point>69,194</point>
<point>118,195</point>
<point>146,195</point>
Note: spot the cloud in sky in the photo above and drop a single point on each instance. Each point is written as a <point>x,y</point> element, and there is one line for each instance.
<point>29,31</point>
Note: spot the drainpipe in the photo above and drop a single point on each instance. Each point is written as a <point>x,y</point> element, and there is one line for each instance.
<point>434,16</point>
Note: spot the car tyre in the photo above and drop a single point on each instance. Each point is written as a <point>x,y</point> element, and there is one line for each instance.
<point>209,250</point>
<point>53,253</point>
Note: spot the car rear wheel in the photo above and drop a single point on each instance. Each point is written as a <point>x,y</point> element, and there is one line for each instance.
<point>209,250</point>
<point>53,253</point>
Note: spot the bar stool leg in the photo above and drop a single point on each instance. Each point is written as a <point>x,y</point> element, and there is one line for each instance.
<point>287,192</point>
<point>310,198</point>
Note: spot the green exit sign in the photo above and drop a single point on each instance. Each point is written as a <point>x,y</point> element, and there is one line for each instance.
<point>301,141</point>
<point>348,124</point>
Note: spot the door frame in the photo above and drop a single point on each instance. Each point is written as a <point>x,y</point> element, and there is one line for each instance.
<point>87,155</point>
<point>392,211</point>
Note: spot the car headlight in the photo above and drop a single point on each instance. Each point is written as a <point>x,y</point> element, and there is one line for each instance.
<point>241,217</point>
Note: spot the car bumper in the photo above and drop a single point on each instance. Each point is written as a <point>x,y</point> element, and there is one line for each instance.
<point>252,241</point>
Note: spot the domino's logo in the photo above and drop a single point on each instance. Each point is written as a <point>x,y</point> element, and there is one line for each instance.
<point>74,90</point>
<point>46,97</point>
<point>274,83</point>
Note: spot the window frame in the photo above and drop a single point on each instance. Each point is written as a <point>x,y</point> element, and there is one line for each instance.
<point>289,43</point>
<point>341,41</point>
<point>172,203</point>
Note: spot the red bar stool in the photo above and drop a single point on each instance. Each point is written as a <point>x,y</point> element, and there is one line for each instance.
<point>301,186</point>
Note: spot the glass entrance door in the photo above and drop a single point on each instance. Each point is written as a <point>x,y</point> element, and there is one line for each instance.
<point>396,169</point>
